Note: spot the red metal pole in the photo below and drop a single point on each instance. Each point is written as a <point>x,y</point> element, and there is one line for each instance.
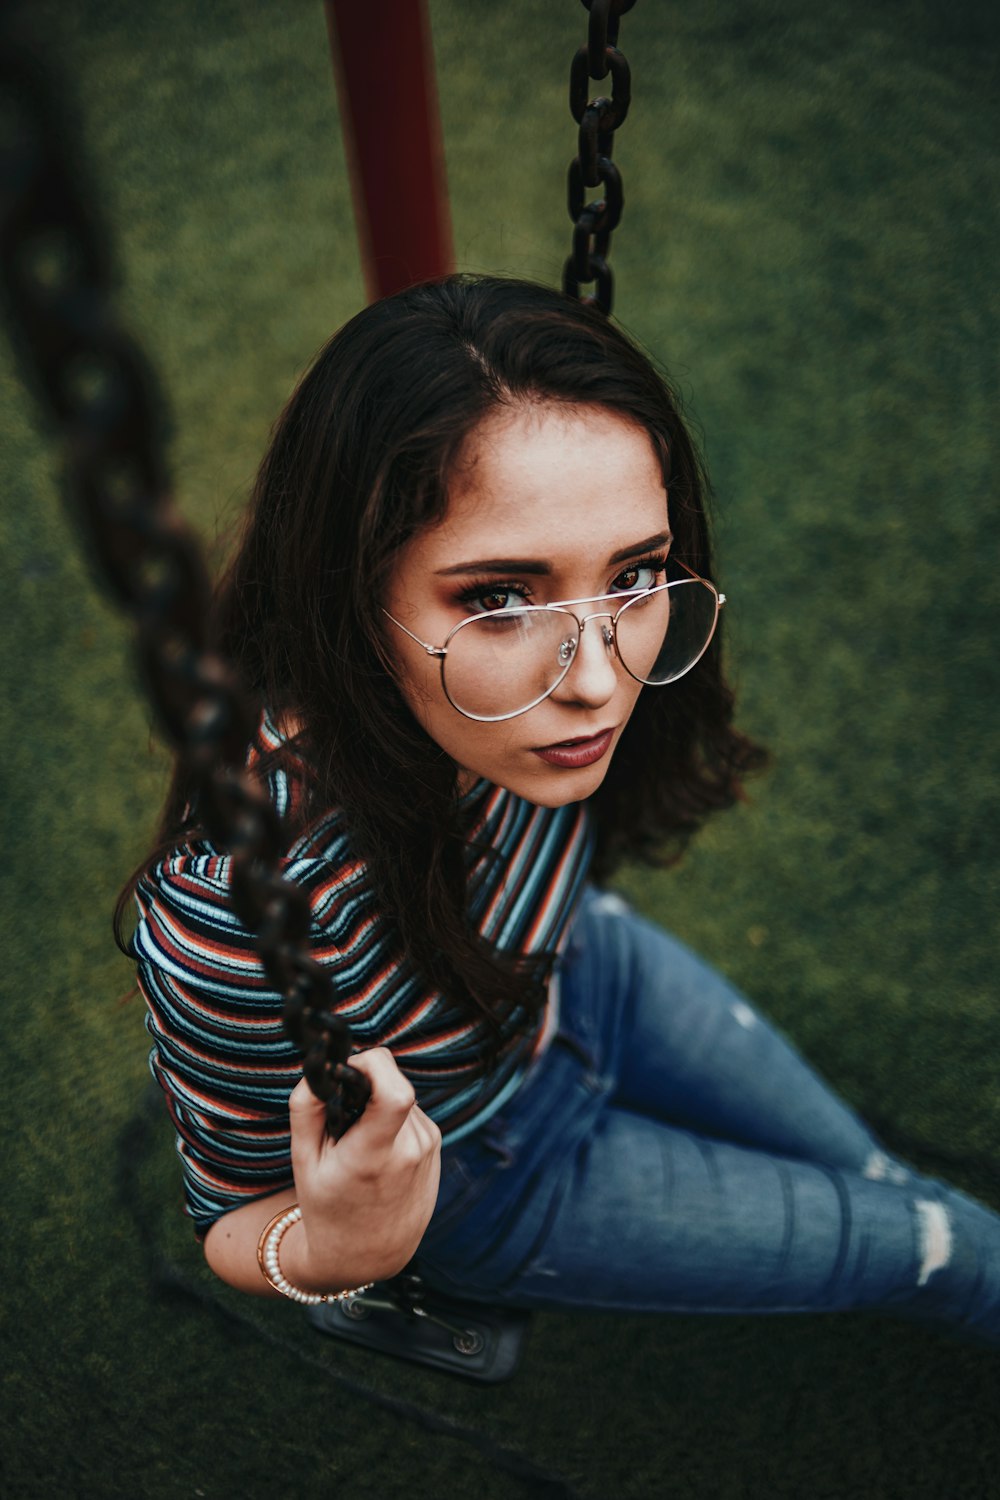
<point>384,69</point>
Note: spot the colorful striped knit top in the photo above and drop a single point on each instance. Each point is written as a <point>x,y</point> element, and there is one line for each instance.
<point>220,1052</point>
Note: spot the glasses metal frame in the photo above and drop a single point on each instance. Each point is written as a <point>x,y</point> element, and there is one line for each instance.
<point>568,607</point>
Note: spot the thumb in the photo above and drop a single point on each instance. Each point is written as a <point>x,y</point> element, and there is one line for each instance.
<point>308,1122</point>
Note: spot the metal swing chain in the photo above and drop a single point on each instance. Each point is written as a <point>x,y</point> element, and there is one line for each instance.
<point>97,387</point>
<point>598,119</point>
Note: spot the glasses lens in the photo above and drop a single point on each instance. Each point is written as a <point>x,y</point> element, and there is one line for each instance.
<point>504,663</point>
<point>663,633</point>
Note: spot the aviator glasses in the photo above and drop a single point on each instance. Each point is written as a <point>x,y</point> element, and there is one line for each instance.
<point>497,665</point>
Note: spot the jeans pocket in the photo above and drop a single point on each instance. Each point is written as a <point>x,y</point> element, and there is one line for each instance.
<point>462,1186</point>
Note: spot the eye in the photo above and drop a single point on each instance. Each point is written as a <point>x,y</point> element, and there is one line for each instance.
<point>492,598</point>
<point>645,574</point>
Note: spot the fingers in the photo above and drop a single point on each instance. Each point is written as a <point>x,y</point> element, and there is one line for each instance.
<point>392,1096</point>
<point>367,1199</point>
<point>390,1105</point>
<point>426,1131</point>
<point>390,1090</point>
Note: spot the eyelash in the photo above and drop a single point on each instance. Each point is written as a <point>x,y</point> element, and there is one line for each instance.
<point>656,564</point>
<point>475,591</point>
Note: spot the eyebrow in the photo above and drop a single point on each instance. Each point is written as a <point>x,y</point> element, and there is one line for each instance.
<point>533,565</point>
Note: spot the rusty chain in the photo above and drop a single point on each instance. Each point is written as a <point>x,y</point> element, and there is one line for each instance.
<point>96,386</point>
<point>598,119</point>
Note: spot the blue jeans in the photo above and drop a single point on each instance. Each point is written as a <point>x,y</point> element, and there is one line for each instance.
<point>671,1152</point>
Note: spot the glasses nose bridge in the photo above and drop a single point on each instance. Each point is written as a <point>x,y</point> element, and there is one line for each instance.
<point>598,614</point>
<point>573,608</point>
<point>608,632</point>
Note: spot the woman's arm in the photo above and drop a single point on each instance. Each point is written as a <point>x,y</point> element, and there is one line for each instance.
<point>366,1199</point>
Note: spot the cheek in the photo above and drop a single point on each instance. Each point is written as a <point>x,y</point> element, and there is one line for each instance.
<point>634,690</point>
<point>465,741</point>
<point>479,749</point>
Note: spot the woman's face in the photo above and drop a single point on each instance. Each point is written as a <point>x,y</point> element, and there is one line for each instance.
<point>547,503</point>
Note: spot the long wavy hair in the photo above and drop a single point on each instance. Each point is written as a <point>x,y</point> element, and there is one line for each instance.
<point>358,463</point>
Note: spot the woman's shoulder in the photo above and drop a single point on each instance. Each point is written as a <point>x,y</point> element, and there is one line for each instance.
<point>197,875</point>
<point>320,855</point>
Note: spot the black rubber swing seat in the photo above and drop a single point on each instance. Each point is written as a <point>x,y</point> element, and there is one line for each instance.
<point>410,1320</point>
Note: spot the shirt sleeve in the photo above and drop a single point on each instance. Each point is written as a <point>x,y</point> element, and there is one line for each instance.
<point>220,1052</point>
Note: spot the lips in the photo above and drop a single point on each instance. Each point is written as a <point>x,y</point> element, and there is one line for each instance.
<point>572,754</point>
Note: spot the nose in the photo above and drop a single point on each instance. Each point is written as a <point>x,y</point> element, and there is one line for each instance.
<point>593,677</point>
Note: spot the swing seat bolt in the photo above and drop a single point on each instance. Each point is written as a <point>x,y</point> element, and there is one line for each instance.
<point>470,1342</point>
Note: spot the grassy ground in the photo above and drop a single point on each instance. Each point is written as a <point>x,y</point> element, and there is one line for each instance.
<point>809,245</point>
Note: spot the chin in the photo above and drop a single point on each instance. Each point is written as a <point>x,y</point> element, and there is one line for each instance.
<point>552,787</point>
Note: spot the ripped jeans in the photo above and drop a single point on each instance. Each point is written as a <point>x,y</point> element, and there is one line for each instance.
<point>671,1152</point>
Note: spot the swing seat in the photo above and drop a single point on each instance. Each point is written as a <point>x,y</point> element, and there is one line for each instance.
<point>417,1323</point>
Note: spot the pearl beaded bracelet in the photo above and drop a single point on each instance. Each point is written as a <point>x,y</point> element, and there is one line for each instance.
<point>267,1259</point>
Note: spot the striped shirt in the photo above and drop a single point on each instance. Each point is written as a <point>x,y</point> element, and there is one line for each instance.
<point>220,1052</point>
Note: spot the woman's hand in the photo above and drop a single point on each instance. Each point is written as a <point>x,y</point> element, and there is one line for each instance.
<point>366,1199</point>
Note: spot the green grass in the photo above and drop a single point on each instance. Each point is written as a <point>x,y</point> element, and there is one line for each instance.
<point>809,246</point>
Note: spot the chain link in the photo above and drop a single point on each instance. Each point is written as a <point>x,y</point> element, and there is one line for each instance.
<point>96,385</point>
<point>598,119</point>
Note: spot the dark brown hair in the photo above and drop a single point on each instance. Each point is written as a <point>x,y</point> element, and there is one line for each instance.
<point>358,463</point>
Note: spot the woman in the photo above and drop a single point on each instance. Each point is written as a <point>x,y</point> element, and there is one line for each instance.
<point>473,592</point>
